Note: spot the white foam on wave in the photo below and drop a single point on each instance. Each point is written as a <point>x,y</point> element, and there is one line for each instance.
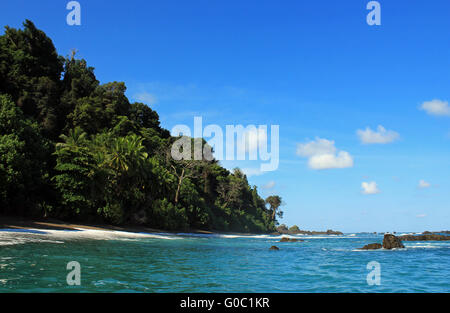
<point>233,236</point>
<point>427,245</point>
<point>423,247</point>
<point>278,237</point>
<point>409,234</point>
<point>82,233</point>
<point>230,236</point>
<point>322,237</point>
<point>196,235</point>
<point>11,237</point>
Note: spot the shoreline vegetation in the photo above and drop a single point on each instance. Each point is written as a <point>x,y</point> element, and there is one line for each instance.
<point>76,150</point>
<point>20,223</point>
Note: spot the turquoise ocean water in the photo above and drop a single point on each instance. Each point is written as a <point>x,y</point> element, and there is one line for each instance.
<point>123,262</point>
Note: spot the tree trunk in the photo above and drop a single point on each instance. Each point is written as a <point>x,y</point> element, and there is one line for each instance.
<point>205,178</point>
<point>180,181</point>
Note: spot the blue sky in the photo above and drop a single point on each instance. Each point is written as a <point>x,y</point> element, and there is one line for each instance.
<point>313,67</point>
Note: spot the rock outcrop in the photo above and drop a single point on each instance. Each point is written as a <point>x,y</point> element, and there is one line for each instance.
<point>372,246</point>
<point>297,231</point>
<point>425,237</point>
<point>333,232</point>
<point>392,242</point>
<point>282,229</point>
<point>389,242</point>
<point>294,230</point>
<point>275,248</point>
<point>286,239</point>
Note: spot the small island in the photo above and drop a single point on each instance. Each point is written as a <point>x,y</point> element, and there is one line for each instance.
<point>295,230</point>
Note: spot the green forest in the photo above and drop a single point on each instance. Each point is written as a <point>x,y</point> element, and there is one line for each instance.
<point>74,149</point>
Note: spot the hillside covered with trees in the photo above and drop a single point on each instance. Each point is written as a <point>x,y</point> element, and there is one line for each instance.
<point>75,149</point>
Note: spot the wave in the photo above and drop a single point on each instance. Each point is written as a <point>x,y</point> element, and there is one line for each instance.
<point>110,234</point>
<point>11,239</point>
<point>196,235</point>
<point>21,230</point>
<point>431,245</point>
<point>424,247</point>
<point>409,234</point>
<point>278,237</point>
<point>251,236</point>
<point>57,236</point>
<point>381,249</point>
<point>22,236</point>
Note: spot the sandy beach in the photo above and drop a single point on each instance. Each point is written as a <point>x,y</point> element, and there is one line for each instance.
<point>53,224</point>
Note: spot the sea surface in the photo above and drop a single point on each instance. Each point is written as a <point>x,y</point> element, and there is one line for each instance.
<point>111,261</point>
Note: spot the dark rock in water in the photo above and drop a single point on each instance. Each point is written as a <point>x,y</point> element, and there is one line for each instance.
<point>392,242</point>
<point>286,239</point>
<point>274,248</point>
<point>275,234</point>
<point>372,246</point>
<point>425,237</point>
<point>427,232</point>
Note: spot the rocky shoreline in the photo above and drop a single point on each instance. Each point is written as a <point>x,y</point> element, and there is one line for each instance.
<point>425,237</point>
<point>393,242</point>
<point>294,230</point>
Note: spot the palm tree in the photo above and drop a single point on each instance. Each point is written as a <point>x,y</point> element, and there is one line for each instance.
<point>73,141</point>
<point>127,154</point>
<point>123,156</point>
<point>136,150</point>
<point>118,158</point>
<point>274,202</point>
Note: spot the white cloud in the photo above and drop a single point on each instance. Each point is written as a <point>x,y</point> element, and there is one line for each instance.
<point>323,154</point>
<point>269,185</point>
<point>421,215</point>
<point>252,171</point>
<point>146,97</point>
<point>370,188</point>
<point>380,136</point>
<point>436,107</point>
<point>424,184</point>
